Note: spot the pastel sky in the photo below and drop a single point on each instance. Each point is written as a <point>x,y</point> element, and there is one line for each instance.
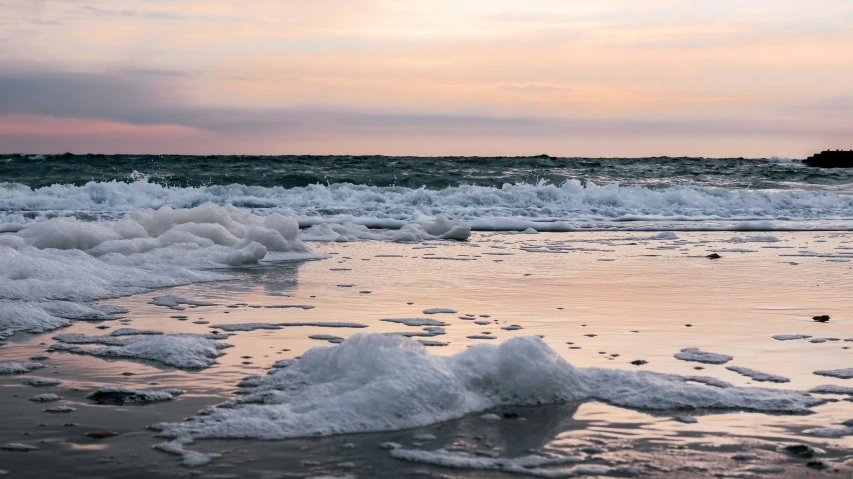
<point>750,78</point>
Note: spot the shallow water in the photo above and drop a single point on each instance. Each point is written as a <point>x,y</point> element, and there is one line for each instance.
<point>562,286</point>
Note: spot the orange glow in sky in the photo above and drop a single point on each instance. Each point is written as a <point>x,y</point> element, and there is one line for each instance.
<point>427,77</point>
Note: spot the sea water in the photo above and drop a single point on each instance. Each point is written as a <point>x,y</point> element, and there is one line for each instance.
<point>86,243</point>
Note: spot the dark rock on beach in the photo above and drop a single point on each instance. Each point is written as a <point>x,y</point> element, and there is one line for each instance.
<point>801,451</point>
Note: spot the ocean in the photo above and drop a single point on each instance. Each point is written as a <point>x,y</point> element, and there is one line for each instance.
<point>506,193</point>
<point>388,317</point>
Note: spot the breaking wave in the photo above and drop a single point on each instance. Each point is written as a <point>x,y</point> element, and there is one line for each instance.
<point>508,207</point>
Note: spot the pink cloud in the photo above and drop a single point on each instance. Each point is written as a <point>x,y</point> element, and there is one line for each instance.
<point>44,134</point>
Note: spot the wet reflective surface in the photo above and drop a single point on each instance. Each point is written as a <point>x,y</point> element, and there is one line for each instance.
<point>616,297</point>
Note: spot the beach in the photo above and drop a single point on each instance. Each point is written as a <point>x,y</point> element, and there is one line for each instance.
<point>595,299</point>
<point>426,239</point>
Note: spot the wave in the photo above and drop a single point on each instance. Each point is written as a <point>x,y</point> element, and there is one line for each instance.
<point>508,207</point>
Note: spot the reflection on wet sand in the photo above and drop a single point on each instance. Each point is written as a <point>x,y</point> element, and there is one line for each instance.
<point>635,307</point>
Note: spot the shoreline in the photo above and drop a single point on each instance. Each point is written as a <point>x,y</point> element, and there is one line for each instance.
<point>507,277</point>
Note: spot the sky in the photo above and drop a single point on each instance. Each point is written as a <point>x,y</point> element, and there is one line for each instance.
<point>605,78</point>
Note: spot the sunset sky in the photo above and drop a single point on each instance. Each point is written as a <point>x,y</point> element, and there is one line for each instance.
<point>750,78</point>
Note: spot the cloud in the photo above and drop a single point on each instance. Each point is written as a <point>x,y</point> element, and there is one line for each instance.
<point>159,98</point>
<point>118,97</point>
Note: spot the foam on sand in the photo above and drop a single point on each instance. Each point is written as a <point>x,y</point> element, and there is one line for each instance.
<point>122,395</point>
<point>41,383</point>
<point>327,337</point>
<point>837,373</point>
<point>42,316</point>
<point>415,321</point>
<point>757,375</point>
<point>416,232</point>
<point>832,389</point>
<point>376,382</point>
<point>790,337</point>
<point>316,324</point>
<point>135,332</point>
<point>710,381</point>
<point>184,351</point>
<point>188,458</point>
<point>53,266</point>
<point>19,368</point>
<point>176,302</point>
<point>246,326</point>
<point>60,410</point>
<point>754,239</point>
<point>696,355</point>
<point>47,397</point>
<point>78,338</point>
<point>531,465</point>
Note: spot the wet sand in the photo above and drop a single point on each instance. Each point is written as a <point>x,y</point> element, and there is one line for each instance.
<point>616,297</point>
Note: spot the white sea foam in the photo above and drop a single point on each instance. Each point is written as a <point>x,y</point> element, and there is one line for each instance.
<point>50,267</point>
<point>781,160</point>
<point>135,332</point>
<point>754,239</point>
<point>123,395</point>
<point>42,316</point>
<point>531,465</point>
<point>837,373</point>
<point>60,410</point>
<point>188,458</point>
<point>758,375</point>
<point>377,382</point>
<point>40,383</point>
<point>415,321</point>
<point>255,326</point>
<point>710,381</point>
<point>440,228</point>
<point>832,389</point>
<point>694,354</point>
<point>185,351</point>
<point>542,207</point>
<point>246,326</point>
<point>177,302</point>
<point>46,397</point>
<point>19,368</point>
<point>327,337</point>
<point>790,337</point>
<point>78,338</point>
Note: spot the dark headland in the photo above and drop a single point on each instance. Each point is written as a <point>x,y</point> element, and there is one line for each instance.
<point>831,159</point>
